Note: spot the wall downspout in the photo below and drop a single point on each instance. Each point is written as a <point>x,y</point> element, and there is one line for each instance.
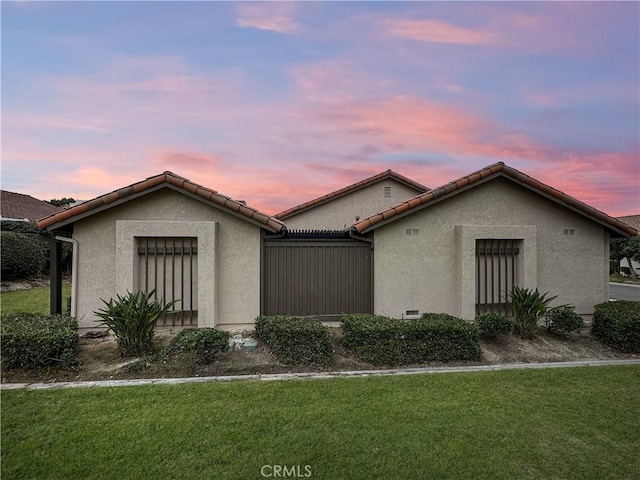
<point>74,273</point>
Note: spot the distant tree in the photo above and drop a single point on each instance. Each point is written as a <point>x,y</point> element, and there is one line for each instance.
<point>61,202</point>
<point>628,248</point>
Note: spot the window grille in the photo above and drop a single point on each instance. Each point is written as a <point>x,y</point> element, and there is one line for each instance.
<point>169,265</point>
<point>496,274</point>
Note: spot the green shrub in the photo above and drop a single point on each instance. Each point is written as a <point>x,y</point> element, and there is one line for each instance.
<point>22,255</point>
<point>296,341</point>
<point>132,319</point>
<point>31,340</point>
<point>563,319</point>
<point>617,324</point>
<point>31,230</point>
<point>386,341</point>
<point>205,343</point>
<point>493,324</point>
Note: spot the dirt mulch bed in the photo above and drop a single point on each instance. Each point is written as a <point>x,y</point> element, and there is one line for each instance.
<point>98,359</point>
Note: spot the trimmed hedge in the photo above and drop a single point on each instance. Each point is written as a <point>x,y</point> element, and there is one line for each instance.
<point>386,341</point>
<point>31,340</point>
<point>296,341</point>
<point>563,319</point>
<point>493,324</point>
<point>31,230</point>
<point>23,255</point>
<point>205,343</point>
<point>617,324</point>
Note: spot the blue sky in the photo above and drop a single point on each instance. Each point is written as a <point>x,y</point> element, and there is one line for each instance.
<point>277,103</point>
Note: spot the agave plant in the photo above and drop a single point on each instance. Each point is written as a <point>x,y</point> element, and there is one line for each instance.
<point>132,319</point>
<point>528,307</point>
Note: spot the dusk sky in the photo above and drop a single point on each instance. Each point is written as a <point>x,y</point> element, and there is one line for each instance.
<point>278,103</point>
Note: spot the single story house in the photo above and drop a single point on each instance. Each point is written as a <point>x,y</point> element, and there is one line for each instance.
<point>457,249</point>
<point>340,209</point>
<point>19,207</point>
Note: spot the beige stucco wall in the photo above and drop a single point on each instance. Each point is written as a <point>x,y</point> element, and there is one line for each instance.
<point>434,270</point>
<point>341,212</point>
<point>228,263</point>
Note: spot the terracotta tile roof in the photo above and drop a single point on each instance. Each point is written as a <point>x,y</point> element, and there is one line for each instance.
<point>19,206</point>
<point>389,174</point>
<point>631,220</point>
<point>164,179</point>
<point>497,169</point>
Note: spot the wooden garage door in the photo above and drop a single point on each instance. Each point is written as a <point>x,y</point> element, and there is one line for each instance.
<point>317,278</point>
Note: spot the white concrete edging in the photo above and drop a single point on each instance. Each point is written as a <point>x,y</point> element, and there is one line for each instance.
<point>315,375</point>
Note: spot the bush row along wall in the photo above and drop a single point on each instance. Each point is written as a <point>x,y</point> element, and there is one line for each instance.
<point>296,341</point>
<point>434,337</point>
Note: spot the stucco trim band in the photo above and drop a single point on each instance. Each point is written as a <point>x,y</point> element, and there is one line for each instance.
<point>466,236</point>
<point>205,232</point>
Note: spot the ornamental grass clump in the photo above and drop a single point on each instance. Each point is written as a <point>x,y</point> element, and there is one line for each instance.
<point>132,319</point>
<point>529,306</point>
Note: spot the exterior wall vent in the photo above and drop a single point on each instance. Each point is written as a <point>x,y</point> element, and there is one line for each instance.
<point>387,192</point>
<point>412,231</point>
<point>412,313</point>
<point>569,231</point>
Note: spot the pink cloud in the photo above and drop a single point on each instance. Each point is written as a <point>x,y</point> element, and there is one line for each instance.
<point>605,181</point>
<point>184,162</point>
<point>271,16</point>
<point>402,123</point>
<point>438,31</point>
<point>277,153</point>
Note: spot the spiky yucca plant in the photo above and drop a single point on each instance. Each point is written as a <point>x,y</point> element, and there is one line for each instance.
<point>528,307</point>
<point>132,319</point>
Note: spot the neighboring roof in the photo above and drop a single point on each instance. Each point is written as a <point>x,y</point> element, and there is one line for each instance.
<point>164,180</point>
<point>479,177</point>
<point>389,174</point>
<point>631,220</point>
<point>19,206</point>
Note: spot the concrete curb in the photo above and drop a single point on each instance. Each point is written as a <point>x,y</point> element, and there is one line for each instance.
<point>314,375</point>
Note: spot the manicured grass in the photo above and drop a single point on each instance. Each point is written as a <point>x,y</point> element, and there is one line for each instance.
<point>33,300</point>
<point>568,423</point>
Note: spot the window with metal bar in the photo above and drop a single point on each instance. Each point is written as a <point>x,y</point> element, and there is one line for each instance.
<point>169,265</point>
<point>496,274</point>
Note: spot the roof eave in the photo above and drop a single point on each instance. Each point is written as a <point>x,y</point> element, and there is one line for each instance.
<point>438,199</point>
<point>306,206</point>
<point>270,225</point>
<point>622,230</point>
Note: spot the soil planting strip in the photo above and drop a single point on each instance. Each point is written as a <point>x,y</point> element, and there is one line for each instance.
<point>314,375</point>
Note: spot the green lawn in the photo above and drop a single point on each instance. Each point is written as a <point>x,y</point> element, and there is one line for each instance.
<point>34,300</point>
<point>581,423</point>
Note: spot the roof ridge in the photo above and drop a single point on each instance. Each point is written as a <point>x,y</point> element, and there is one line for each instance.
<point>348,189</point>
<point>494,168</point>
<point>23,194</point>
<point>170,178</point>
